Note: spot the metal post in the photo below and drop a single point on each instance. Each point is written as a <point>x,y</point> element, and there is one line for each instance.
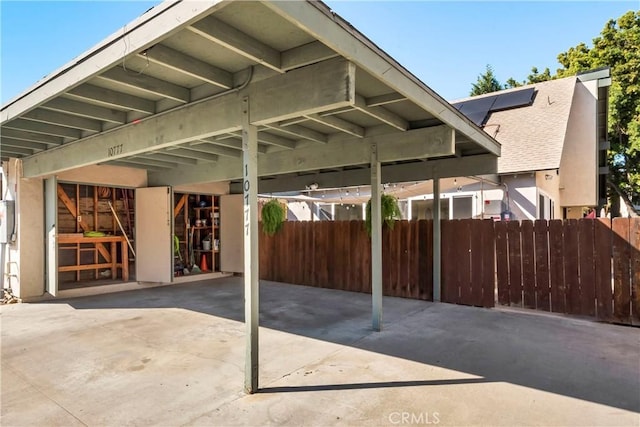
<point>436,241</point>
<point>376,241</point>
<point>251,289</point>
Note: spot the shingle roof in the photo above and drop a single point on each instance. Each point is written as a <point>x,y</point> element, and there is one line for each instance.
<point>532,136</point>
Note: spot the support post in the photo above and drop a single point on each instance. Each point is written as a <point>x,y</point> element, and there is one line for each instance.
<point>437,255</point>
<point>251,289</point>
<point>376,241</point>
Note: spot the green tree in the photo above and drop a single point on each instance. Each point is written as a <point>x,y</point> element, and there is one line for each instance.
<point>511,83</point>
<point>536,77</point>
<point>487,83</point>
<point>617,47</point>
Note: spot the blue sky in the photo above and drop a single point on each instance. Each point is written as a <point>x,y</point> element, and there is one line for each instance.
<point>446,44</point>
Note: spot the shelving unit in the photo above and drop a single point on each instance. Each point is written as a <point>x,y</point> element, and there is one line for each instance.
<point>197,227</point>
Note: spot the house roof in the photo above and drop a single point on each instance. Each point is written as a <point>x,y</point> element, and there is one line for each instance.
<point>532,136</point>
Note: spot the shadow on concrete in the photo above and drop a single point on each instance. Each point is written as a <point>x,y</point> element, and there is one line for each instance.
<point>575,358</point>
<point>360,386</point>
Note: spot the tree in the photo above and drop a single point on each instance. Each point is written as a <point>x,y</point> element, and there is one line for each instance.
<point>618,47</point>
<point>536,77</point>
<point>486,83</point>
<point>511,83</point>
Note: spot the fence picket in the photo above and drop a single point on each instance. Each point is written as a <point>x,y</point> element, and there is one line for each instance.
<point>604,296</point>
<point>528,265</point>
<point>586,249</point>
<point>502,262</point>
<point>515,263</point>
<point>541,230</point>
<point>476,277</point>
<point>621,274</point>
<point>634,241</point>
<point>556,275</point>
<point>570,255</point>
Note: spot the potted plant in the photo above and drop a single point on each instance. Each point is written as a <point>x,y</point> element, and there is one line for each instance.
<point>273,216</point>
<point>389,209</point>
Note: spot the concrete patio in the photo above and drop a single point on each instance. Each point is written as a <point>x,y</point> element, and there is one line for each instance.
<point>175,356</point>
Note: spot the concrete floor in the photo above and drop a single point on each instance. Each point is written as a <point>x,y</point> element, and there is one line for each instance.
<point>175,355</point>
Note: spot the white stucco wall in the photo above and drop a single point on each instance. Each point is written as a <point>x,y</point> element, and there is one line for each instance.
<point>579,162</point>
<point>24,258</point>
<point>522,195</point>
<point>548,182</point>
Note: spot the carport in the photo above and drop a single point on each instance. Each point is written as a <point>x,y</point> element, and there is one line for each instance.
<point>271,96</point>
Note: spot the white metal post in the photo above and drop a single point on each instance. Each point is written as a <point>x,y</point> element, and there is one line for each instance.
<point>436,241</point>
<point>251,288</point>
<point>376,241</point>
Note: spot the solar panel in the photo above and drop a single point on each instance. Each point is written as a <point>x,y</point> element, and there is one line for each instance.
<point>514,99</point>
<point>478,104</point>
<point>478,117</point>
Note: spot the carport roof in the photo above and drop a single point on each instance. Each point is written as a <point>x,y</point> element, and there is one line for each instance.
<point>318,89</point>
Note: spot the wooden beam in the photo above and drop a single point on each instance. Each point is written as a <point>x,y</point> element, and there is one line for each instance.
<point>301,132</point>
<point>338,124</point>
<point>190,153</point>
<point>387,98</point>
<point>179,205</point>
<point>63,119</point>
<point>306,90</point>
<point>10,142</point>
<point>229,140</point>
<point>168,158</point>
<point>274,140</point>
<point>381,114</point>
<point>304,55</point>
<point>30,136</point>
<point>216,150</point>
<point>84,109</point>
<point>66,201</point>
<point>112,98</point>
<point>17,151</point>
<point>406,172</point>
<point>147,84</point>
<point>43,128</point>
<point>235,40</point>
<point>159,163</point>
<point>394,146</point>
<point>126,164</point>
<point>188,65</point>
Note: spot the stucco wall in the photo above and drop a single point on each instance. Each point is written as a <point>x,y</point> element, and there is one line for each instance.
<point>25,257</point>
<point>522,197</point>
<point>549,183</point>
<point>579,163</point>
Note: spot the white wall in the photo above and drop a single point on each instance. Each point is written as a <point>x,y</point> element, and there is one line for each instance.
<point>217,188</point>
<point>522,195</point>
<point>579,162</point>
<point>24,259</point>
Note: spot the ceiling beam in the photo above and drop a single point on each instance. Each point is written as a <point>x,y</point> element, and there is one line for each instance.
<point>327,85</point>
<point>147,83</point>
<point>188,152</point>
<point>227,140</point>
<point>84,109</point>
<point>387,98</point>
<point>157,163</point>
<point>381,114</point>
<point>304,55</point>
<point>407,172</point>
<point>126,164</point>
<point>112,98</point>
<point>30,136</point>
<point>63,119</point>
<point>338,124</point>
<point>168,158</point>
<point>269,139</point>
<point>235,40</point>
<point>10,142</point>
<point>395,146</point>
<point>301,132</point>
<point>217,150</point>
<point>44,128</point>
<point>17,151</point>
<point>188,65</point>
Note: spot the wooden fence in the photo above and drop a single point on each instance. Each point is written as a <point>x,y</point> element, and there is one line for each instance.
<point>583,267</point>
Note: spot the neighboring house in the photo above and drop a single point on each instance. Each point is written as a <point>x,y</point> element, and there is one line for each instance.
<point>553,162</point>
